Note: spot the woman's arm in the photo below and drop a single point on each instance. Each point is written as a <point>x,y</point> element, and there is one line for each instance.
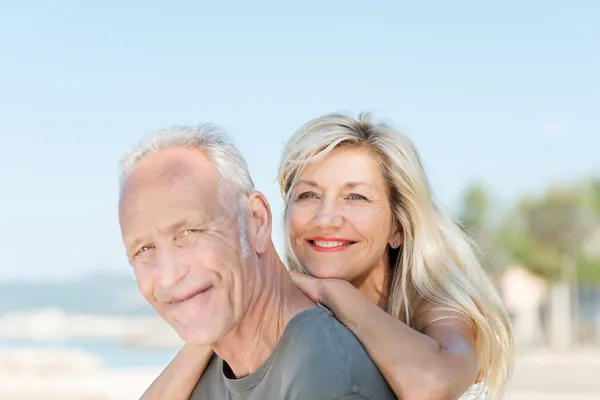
<point>180,377</point>
<point>440,363</point>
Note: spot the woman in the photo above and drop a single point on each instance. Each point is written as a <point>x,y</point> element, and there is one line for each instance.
<point>365,238</point>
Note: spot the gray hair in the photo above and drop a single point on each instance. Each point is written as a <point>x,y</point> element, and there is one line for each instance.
<point>217,145</point>
<point>210,139</point>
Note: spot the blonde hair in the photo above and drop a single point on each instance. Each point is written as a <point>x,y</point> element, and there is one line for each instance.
<point>437,261</point>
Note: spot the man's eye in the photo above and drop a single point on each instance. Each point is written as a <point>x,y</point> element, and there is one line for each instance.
<point>143,249</point>
<point>186,233</point>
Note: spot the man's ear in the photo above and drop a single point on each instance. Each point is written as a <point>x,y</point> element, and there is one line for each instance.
<point>260,221</point>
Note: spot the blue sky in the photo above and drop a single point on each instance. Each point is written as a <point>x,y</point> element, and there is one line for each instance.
<point>507,94</point>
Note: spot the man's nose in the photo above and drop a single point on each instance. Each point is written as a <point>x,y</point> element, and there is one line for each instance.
<point>172,268</point>
<point>329,215</point>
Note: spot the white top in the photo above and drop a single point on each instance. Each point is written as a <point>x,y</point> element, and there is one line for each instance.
<point>475,392</point>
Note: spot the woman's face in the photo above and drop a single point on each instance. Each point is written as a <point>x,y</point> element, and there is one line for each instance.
<point>339,218</point>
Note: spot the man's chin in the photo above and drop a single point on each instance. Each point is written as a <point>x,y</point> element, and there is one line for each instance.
<point>198,336</point>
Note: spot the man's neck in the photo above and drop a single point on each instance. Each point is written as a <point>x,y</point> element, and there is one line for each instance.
<point>275,300</point>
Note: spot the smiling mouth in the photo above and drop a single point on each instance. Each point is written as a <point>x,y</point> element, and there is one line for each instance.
<point>330,245</point>
<point>191,295</point>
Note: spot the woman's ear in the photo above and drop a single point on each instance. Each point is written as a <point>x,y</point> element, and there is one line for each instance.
<point>396,236</point>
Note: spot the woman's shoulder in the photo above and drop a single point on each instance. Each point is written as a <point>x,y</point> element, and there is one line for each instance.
<point>475,392</point>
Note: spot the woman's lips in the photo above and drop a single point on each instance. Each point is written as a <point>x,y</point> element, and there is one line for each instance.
<point>329,244</point>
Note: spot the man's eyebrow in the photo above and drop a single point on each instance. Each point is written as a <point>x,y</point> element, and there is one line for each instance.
<point>174,226</point>
<point>132,246</point>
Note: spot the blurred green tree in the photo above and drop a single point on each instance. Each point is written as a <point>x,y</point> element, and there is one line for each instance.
<point>594,190</point>
<point>474,209</point>
<point>548,234</point>
<point>476,219</point>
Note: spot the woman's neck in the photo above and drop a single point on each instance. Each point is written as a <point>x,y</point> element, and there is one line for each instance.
<point>377,284</point>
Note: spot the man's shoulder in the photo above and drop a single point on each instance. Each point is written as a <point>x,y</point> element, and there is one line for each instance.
<point>316,358</point>
<point>317,328</point>
<point>317,333</point>
<point>322,353</point>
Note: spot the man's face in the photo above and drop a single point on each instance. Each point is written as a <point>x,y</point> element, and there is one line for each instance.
<point>184,244</point>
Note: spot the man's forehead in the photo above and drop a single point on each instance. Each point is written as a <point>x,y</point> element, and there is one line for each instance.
<point>176,164</point>
<point>172,166</point>
<point>182,173</point>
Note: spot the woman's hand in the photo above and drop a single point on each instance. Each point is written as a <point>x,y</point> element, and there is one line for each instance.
<point>328,292</point>
<point>319,290</point>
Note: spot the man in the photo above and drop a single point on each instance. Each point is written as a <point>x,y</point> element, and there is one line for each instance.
<point>199,239</point>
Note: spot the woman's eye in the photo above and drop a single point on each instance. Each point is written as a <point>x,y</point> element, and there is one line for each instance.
<point>306,196</point>
<point>355,196</point>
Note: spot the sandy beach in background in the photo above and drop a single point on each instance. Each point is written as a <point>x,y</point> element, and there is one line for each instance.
<point>72,375</point>
<point>553,375</point>
<point>43,371</point>
<point>28,374</point>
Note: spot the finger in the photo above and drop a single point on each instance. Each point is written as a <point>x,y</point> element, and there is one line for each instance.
<point>308,285</point>
<point>303,278</point>
<point>296,274</point>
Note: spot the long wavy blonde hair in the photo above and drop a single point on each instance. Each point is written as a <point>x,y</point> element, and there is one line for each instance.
<point>437,260</point>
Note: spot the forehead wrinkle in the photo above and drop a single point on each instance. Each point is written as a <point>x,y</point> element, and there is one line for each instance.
<point>347,185</point>
<point>184,202</point>
<point>145,192</point>
<point>307,183</point>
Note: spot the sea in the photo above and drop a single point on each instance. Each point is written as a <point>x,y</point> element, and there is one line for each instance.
<point>113,354</point>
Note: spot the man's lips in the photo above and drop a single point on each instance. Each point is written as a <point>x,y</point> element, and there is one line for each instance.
<point>187,296</point>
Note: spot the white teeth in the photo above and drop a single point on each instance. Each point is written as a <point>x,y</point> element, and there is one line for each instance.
<point>330,244</point>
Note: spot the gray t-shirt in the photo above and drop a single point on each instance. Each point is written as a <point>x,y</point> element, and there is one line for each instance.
<point>317,358</point>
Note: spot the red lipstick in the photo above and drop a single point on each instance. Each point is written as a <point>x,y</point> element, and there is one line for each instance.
<point>324,244</point>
